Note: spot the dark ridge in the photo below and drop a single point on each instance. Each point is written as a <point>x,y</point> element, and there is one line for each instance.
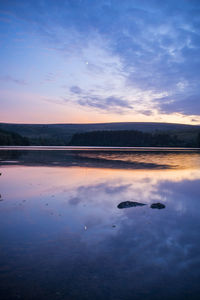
<point>61,134</point>
<point>9,138</point>
<point>129,138</point>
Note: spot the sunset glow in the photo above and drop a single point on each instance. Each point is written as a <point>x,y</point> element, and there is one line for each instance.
<point>100,61</point>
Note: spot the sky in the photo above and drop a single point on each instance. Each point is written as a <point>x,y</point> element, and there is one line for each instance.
<point>86,61</point>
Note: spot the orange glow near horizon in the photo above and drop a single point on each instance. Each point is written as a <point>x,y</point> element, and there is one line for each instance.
<point>77,116</point>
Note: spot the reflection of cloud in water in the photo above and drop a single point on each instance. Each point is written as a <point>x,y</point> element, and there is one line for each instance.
<point>158,255</point>
<point>149,254</point>
<point>183,195</point>
<point>93,185</point>
<point>85,193</point>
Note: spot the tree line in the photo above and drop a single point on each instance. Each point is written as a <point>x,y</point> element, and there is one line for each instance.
<point>9,138</point>
<point>130,138</point>
<point>112,138</point>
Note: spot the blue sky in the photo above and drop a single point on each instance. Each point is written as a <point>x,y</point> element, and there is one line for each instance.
<point>100,61</point>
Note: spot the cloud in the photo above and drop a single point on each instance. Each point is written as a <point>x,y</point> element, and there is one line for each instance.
<point>88,99</point>
<point>189,105</point>
<point>154,45</point>
<point>11,79</point>
<point>50,77</point>
<point>75,89</point>
<point>146,112</point>
<point>105,103</point>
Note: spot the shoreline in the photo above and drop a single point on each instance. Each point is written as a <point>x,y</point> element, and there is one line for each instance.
<point>95,148</point>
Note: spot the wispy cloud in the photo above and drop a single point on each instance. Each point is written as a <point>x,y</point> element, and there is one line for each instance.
<point>87,99</point>
<point>189,104</point>
<point>11,79</point>
<point>112,103</point>
<point>120,56</point>
<point>75,90</point>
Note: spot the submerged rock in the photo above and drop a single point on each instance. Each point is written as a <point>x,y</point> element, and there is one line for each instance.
<point>127,204</point>
<point>157,205</point>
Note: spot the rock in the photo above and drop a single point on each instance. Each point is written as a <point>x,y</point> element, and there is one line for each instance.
<point>157,205</point>
<point>127,204</point>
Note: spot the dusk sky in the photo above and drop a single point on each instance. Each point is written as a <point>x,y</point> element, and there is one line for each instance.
<point>83,61</point>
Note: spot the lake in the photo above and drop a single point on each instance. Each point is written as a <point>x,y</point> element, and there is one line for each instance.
<point>63,236</point>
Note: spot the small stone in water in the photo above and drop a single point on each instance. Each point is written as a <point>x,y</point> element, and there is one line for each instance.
<point>157,205</point>
<point>127,204</point>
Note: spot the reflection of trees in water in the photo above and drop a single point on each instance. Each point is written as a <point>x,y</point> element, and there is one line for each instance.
<point>11,154</point>
<point>75,158</point>
<point>37,157</point>
<point>147,158</point>
<point>140,159</point>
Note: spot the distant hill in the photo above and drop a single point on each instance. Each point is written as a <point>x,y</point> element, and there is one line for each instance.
<point>126,138</point>
<point>61,134</point>
<point>8,138</point>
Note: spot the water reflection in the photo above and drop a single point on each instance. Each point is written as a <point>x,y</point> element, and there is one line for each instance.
<point>117,159</point>
<point>63,237</point>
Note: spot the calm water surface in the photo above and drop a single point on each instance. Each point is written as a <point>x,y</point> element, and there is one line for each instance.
<point>62,235</point>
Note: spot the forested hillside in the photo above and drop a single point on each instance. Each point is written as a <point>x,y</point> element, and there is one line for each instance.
<point>63,134</point>
<point>130,138</point>
<point>8,138</point>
